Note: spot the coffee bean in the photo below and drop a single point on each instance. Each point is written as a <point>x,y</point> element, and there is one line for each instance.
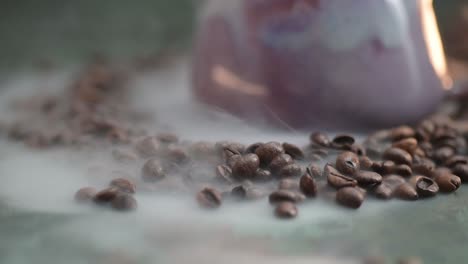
<point>106,195</point>
<point>398,156</point>
<point>177,155</point>
<point>336,179</point>
<point>85,194</point>
<point>448,182</point>
<point>461,170</point>
<point>401,132</point>
<point>279,162</point>
<point>254,193</point>
<point>246,167</point>
<point>202,149</point>
<point>239,192</point>
<point>365,162</point>
<point>323,153</point>
<point>315,157</point>
<point>426,187</point>
<point>124,202</point>
<point>308,185</point>
<point>268,151</point>
<point>368,178</point>
<point>167,138</point>
<point>288,184</point>
<point>291,170</point>
<point>232,159</point>
<point>358,150</point>
<point>314,171</point>
<point>423,166</point>
<point>407,144</point>
<point>406,192</point>
<point>455,160</point>
<point>209,198</point>
<point>234,147</point>
<point>348,163</point>
<point>383,191</point>
<point>263,175</point>
<point>320,139</point>
<point>123,185</point>
<point>285,196</point>
<point>286,210</point>
<point>443,154</point>
<point>124,155</point>
<point>224,174</point>
<point>251,148</point>
<point>343,141</point>
<point>294,151</point>
<point>393,181</point>
<point>383,167</point>
<point>350,197</point>
<point>148,147</point>
<point>402,170</point>
<point>152,171</point>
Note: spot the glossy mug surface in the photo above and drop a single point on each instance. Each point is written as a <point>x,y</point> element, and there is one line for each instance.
<point>330,64</point>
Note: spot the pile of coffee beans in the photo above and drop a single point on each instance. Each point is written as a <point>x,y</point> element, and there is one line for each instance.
<point>406,163</point>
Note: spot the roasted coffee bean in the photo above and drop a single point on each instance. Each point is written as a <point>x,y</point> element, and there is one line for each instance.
<point>251,148</point>
<point>455,160</point>
<point>365,162</point>
<point>343,141</point>
<point>320,152</point>
<point>314,171</point>
<point>268,151</point>
<point>152,171</point>
<point>448,182</point>
<point>234,147</point>
<point>426,147</point>
<point>285,196</point>
<point>348,163</point>
<point>124,202</point>
<point>124,155</point>
<point>320,139</point>
<point>224,174</point>
<point>443,154</point>
<point>106,195</point>
<point>402,170</point>
<point>336,179</point>
<point>383,191</point>
<point>286,210</point>
<point>232,159</point>
<point>308,185</point>
<point>368,178</point>
<point>393,181</point>
<point>279,162</point>
<point>426,187</point>
<point>350,197</point>
<point>263,175</point>
<point>406,192</point>
<point>123,185</point>
<point>177,155</point>
<point>294,151</point>
<point>315,157</point>
<point>407,144</point>
<point>254,193</point>
<point>85,194</point>
<point>423,166</point>
<point>148,147</point>
<point>383,167</point>
<point>291,170</point>
<point>461,170</point>
<point>398,156</point>
<point>358,150</point>
<point>202,149</point>
<point>209,198</point>
<point>167,138</point>
<point>246,167</point>
<point>239,192</point>
<point>401,132</point>
<point>288,184</point>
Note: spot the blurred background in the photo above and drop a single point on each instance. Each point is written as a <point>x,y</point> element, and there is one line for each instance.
<point>69,31</point>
